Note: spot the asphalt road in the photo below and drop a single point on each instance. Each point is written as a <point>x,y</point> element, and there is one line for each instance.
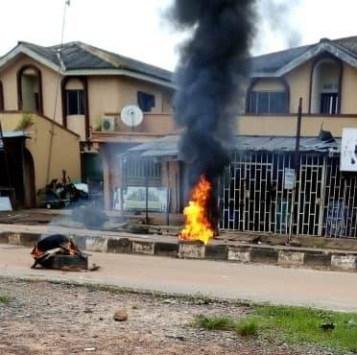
<point>257,283</point>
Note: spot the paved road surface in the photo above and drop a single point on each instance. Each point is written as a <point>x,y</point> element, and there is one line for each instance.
<point>258,283</point>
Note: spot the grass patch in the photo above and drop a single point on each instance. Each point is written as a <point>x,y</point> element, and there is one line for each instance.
<point>303,325</point>
<point>293,325</point>
<point>214,322</point>
<point>247,327</point>
<point>4,299</point>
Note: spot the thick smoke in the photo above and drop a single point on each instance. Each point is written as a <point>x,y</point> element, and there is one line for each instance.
<point>213,67</point>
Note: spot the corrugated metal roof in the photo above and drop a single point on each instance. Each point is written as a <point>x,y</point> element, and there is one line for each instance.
<point>283,144</point>
<point>168,146</point>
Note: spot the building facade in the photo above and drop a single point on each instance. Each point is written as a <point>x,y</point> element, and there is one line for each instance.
<point>254,196</point>
<point>68,100</point>
<point>75,94</point>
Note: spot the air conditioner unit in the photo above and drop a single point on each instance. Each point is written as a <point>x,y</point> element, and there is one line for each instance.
<point>108,124</point>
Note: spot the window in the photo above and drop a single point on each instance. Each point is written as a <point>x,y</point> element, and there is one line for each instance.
<point>325,88</point>
<point>1,97</point>
<point>146,101</point>
<point>268,102</point>
<point>329,103</point>
<point>138,172</point>
<point>75,102</point>
<point>37,101</point>
<point>29,89</point>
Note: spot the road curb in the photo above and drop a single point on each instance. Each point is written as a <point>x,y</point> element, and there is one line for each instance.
<point>244,253</point>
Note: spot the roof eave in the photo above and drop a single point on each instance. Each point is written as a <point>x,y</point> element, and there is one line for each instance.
<point>120,72</point>
<point>306,56</point>
<point>22,49</point>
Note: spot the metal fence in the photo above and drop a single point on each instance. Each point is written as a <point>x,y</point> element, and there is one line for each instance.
<point>254,198</point>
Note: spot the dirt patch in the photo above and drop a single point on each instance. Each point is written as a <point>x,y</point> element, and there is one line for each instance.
<point>44,318</point>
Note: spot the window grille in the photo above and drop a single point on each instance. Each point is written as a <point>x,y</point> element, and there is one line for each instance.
<point>253,197</point>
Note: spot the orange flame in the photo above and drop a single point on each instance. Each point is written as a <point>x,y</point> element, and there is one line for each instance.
<point>69,248</point>
<point>197,224</point>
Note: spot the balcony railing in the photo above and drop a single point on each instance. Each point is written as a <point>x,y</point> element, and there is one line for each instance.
<point>159,125</point>
<point>28,121</point>
<point>154,125</point>
<point>285,125</point>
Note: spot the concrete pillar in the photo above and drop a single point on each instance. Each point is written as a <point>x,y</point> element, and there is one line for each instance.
<point>106,178</point>
<point>171,180</point>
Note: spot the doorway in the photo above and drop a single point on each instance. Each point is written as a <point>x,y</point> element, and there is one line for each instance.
<point>29,180</point>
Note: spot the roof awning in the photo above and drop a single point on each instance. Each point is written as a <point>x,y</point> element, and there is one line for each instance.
<point>15,134</point>
<point>11,135</point>
<point>169,146</point>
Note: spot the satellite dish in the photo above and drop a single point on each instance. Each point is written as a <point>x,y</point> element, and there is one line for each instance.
<point>132,116</point>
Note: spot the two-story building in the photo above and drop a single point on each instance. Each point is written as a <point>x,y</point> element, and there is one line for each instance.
<point>255,196</point>
<point>65,102</point>
<point>75,94</point>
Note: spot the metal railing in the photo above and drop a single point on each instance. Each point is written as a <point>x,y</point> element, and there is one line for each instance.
<point>254,199</point>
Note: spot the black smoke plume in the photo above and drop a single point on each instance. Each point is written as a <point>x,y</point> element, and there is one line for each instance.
<point>213,67</point>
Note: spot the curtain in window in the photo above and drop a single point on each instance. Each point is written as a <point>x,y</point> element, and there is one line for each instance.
<point>75,102</point>
<point>268,102</point>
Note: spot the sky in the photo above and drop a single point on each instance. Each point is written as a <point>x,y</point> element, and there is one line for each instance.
<point>138,29</point>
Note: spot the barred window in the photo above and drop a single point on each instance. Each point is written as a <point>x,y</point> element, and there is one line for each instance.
<point>139,171</point>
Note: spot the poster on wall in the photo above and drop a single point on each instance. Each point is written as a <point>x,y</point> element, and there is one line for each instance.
<point>5,204</point>
<point>133,199</point>
<point>349,150</point>
<point>289,179</point>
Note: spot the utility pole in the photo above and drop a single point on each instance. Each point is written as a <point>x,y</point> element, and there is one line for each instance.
<point>298,138</point>
<point>146,191</point>
<point>67,4</point>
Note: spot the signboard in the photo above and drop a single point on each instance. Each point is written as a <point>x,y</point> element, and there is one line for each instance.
<point>349,150</point>
<point>289,179</point>
<point>133,198</point>
<point>5,204</point>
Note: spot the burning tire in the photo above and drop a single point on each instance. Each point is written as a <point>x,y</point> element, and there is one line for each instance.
<point>58,252</point>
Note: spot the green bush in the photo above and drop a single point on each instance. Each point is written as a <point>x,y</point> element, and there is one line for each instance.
<point>25,122</point>
<point>4,299</point>
<point>214,322</point>
<point>247,327</point>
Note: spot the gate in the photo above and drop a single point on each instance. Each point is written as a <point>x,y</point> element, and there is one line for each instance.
<point>254,199</point>
<point>340,210</point>
<point>310,202</point>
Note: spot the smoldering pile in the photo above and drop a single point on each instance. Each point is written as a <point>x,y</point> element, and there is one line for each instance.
<point>59,252</point>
